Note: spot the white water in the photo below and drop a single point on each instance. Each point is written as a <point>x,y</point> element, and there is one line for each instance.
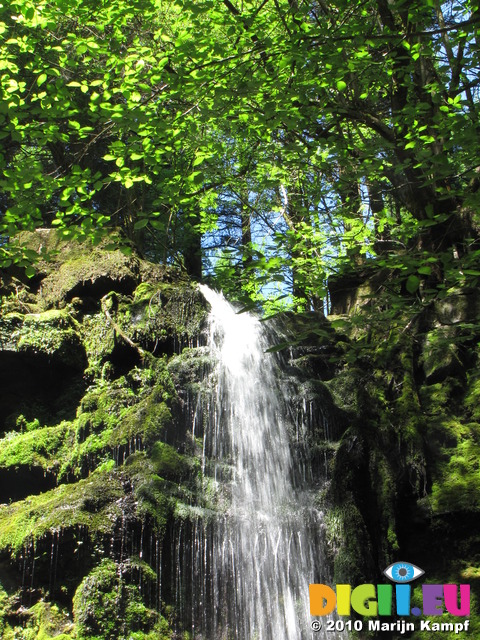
<point>265,549</point>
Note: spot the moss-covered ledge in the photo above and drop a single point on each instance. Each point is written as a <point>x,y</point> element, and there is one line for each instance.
<point>93,457</point>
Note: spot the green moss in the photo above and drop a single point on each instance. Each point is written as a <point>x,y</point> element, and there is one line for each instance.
<point>440,354</point>
<point>128,412</point>
<point>99,415</point>
<point>472,398</point>
<point>23,424</point>
<point>87,455</point>
<point>95,605</point>
<point>153,493</point>
<point>58,319</point>
<point>167,462</point>
<point>163,312</point>
<point>145,292</point>
<point>91,503</point>
<point>104,402</point>
<point>456,483</point>
<point>435,398</point>
<point>106,606</point>
<point>46,447</point>
<point>54,334</point>
<point>3,610</point>
<point>99,338</point>
<point>386,499</point>
<point>148,419</point>
<point>42,621</point>
<point>110,269</point>
<point>161,631</point>
<point>345,534</point>
<point>10,323</point>
<point>48,621</point>
<point>345,388</point>
<point>188,370</point>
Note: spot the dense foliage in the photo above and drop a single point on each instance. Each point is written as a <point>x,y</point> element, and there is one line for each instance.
<point>272,140</point>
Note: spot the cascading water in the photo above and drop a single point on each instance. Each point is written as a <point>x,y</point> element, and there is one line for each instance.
<point>252,565</point>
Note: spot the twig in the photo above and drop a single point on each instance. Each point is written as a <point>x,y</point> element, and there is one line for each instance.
<point>119,330</point>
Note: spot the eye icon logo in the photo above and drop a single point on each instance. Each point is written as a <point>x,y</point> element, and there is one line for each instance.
<point>403,572</point>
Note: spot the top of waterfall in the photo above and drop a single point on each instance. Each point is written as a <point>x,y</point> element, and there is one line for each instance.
<point>236,336</point>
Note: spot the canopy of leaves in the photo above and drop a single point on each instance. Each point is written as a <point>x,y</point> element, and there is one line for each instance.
<point>285,140</point>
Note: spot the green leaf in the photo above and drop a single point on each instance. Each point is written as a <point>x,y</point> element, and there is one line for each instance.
<point>425,271</point>
<point>30,271</point>
<point>412,284</point>
<point>41,79</point>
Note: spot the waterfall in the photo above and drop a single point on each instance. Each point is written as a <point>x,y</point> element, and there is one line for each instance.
<point>251,566</point>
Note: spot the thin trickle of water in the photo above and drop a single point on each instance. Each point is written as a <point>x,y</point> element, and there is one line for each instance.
<point>32,575</point>
<point>266,547</point>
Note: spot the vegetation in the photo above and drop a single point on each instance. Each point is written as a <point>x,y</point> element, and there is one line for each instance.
<point>282,141</point>
<point>311,156</point>
<point>93,469</point>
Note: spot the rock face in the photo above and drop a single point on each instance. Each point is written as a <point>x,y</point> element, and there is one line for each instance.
<point>101,360</point>
<point>405,478</point>
<point>93,454</point>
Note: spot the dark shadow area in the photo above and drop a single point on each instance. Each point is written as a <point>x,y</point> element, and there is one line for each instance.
<point>23,481</point>
<point>34,386</point>
<point>98,287</point>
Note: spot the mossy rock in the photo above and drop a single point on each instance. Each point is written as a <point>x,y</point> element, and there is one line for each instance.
<point>441,355</point>
<point>456,475</point>
<point>149,420</point>
<point>108,398</point>
<point>91,275</point>
<point>106,605</point>
<point>346,388</point>
<point>43,621</point>
<point>472,397</point>
<point>120,416</point>
<point>48,621</point>
<point>9,324</point>
<point>457,307</point>
<point>167,462</point>
<point>188,370</point>
<point>99,338</point>
<point>91,503</point>
<point>41,367</point>
<point>54,335</point>
<point>348,544</point>
<point>4,605</point>
<point>163,318</point>
<point>121,480</point>
<point>44,447</point>
<point>154,495</point>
